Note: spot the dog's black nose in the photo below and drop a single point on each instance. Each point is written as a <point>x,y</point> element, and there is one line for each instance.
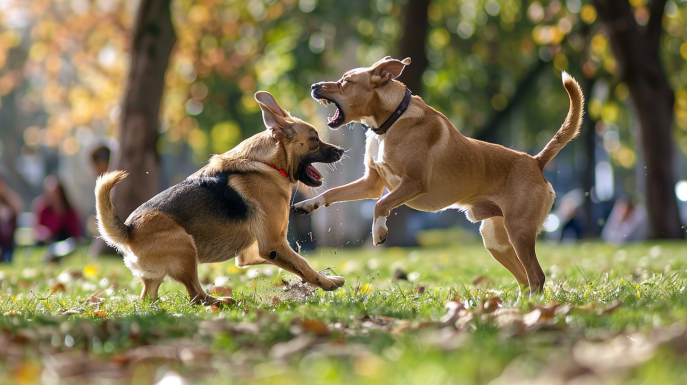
<point>315,86</point>
<point>338,152</point>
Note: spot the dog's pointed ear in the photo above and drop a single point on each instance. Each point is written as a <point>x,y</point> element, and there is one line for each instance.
<point>388,69</point>
<point>274,116</point>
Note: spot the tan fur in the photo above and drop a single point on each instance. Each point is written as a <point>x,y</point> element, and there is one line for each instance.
<point>113,231</point>
<point>427,164</point>
<point>156,245</point>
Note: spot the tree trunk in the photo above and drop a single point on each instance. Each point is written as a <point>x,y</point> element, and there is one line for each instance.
<point>412,45</point>
<point>637,52</point>
<point>152,42</point>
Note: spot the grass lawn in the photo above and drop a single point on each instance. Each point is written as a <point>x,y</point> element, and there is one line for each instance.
<point>612,315</point>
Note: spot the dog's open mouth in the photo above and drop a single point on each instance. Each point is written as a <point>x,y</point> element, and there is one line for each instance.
<point>309,175</point>
<point>338,118</point>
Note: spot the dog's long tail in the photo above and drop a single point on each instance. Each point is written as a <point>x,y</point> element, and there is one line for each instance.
<point>570,128</point>
<point>111,228</point>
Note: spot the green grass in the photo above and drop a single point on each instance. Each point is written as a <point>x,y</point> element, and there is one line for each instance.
<point>374,330</point>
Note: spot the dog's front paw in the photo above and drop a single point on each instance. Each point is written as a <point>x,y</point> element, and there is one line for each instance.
<point>379,231</point>
<point>332,283</point>
<point>307,206</point>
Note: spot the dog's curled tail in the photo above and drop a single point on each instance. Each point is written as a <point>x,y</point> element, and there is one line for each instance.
<point>570,128</point>
<point>111,228</point>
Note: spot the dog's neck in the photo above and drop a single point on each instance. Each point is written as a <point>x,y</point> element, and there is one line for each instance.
<point>388,97</point>
<point>261,148</point>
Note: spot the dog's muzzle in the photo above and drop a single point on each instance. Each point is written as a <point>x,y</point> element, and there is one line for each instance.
<point>336,153</point>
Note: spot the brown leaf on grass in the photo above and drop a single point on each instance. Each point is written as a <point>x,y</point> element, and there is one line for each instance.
<point>276,301</point>
<point>453,309</point>
<point>58,287</point>
<point>490,305</point>
<point>609,309</point>
<point>316,327</point>
<point>399,327</point>
<point>622,352</point>
<point>96,297</point>
<point>377,322</point>
<point>284,349</point>
<point>221,325</point>
<point>540,314</point>
<point>70,312</point>
<point>420,289</point>
<point>480,280</point>
<point>221,291</point>
<point>185,354</point>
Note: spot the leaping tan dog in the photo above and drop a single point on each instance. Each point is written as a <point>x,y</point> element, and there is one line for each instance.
<point>427,164</point>
<point>235,206</point>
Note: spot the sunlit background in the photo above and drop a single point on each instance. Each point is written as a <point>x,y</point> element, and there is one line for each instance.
<point>493,70</point>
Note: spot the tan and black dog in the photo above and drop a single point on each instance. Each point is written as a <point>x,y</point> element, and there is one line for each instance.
<point>427,164</point>
<point>235,206</point>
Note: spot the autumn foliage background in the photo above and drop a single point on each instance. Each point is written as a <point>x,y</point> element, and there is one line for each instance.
<point>492,67</point>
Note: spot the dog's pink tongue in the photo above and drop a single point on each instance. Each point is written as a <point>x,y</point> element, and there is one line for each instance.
<point>312,172</point>
<point>336,116</point>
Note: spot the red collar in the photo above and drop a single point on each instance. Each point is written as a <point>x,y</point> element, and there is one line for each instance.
<point>281,171</point>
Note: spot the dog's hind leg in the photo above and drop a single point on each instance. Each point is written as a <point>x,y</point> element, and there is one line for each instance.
<point>496,241</point>
<point>150,286</point>
<point>250,256</point>
<point>182,266</point>
<point>522,234</point>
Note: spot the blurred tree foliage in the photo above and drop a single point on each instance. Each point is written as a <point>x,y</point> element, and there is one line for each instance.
<point>480,53</point>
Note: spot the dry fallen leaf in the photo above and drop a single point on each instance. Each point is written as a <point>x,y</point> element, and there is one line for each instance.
<point>624,351</point>
<point>222,291</point>
<point>453,309</point>
<point>96,297</point>
<point>58,287</point>
<point>285,349</point>
<point>607,310</point>
<point>480,280</point>
<point>490,305</point>
<point>316,327</point>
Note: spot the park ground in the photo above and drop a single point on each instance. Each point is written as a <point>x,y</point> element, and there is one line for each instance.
<point>439,315</point>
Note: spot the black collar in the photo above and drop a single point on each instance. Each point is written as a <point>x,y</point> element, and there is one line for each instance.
<point>394,116</point>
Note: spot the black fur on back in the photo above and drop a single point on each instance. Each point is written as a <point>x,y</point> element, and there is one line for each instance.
<point>201,199</point>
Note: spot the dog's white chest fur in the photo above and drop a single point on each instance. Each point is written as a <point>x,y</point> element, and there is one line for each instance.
<point>375,149</point>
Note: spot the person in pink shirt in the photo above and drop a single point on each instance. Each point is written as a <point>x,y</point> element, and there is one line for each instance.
<point>56,220</point>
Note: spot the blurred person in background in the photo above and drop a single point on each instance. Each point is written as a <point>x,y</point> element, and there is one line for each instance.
<point>626,223</point>
<point>57,223</point>
<point>101,160</point>
<point>10,207</point>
